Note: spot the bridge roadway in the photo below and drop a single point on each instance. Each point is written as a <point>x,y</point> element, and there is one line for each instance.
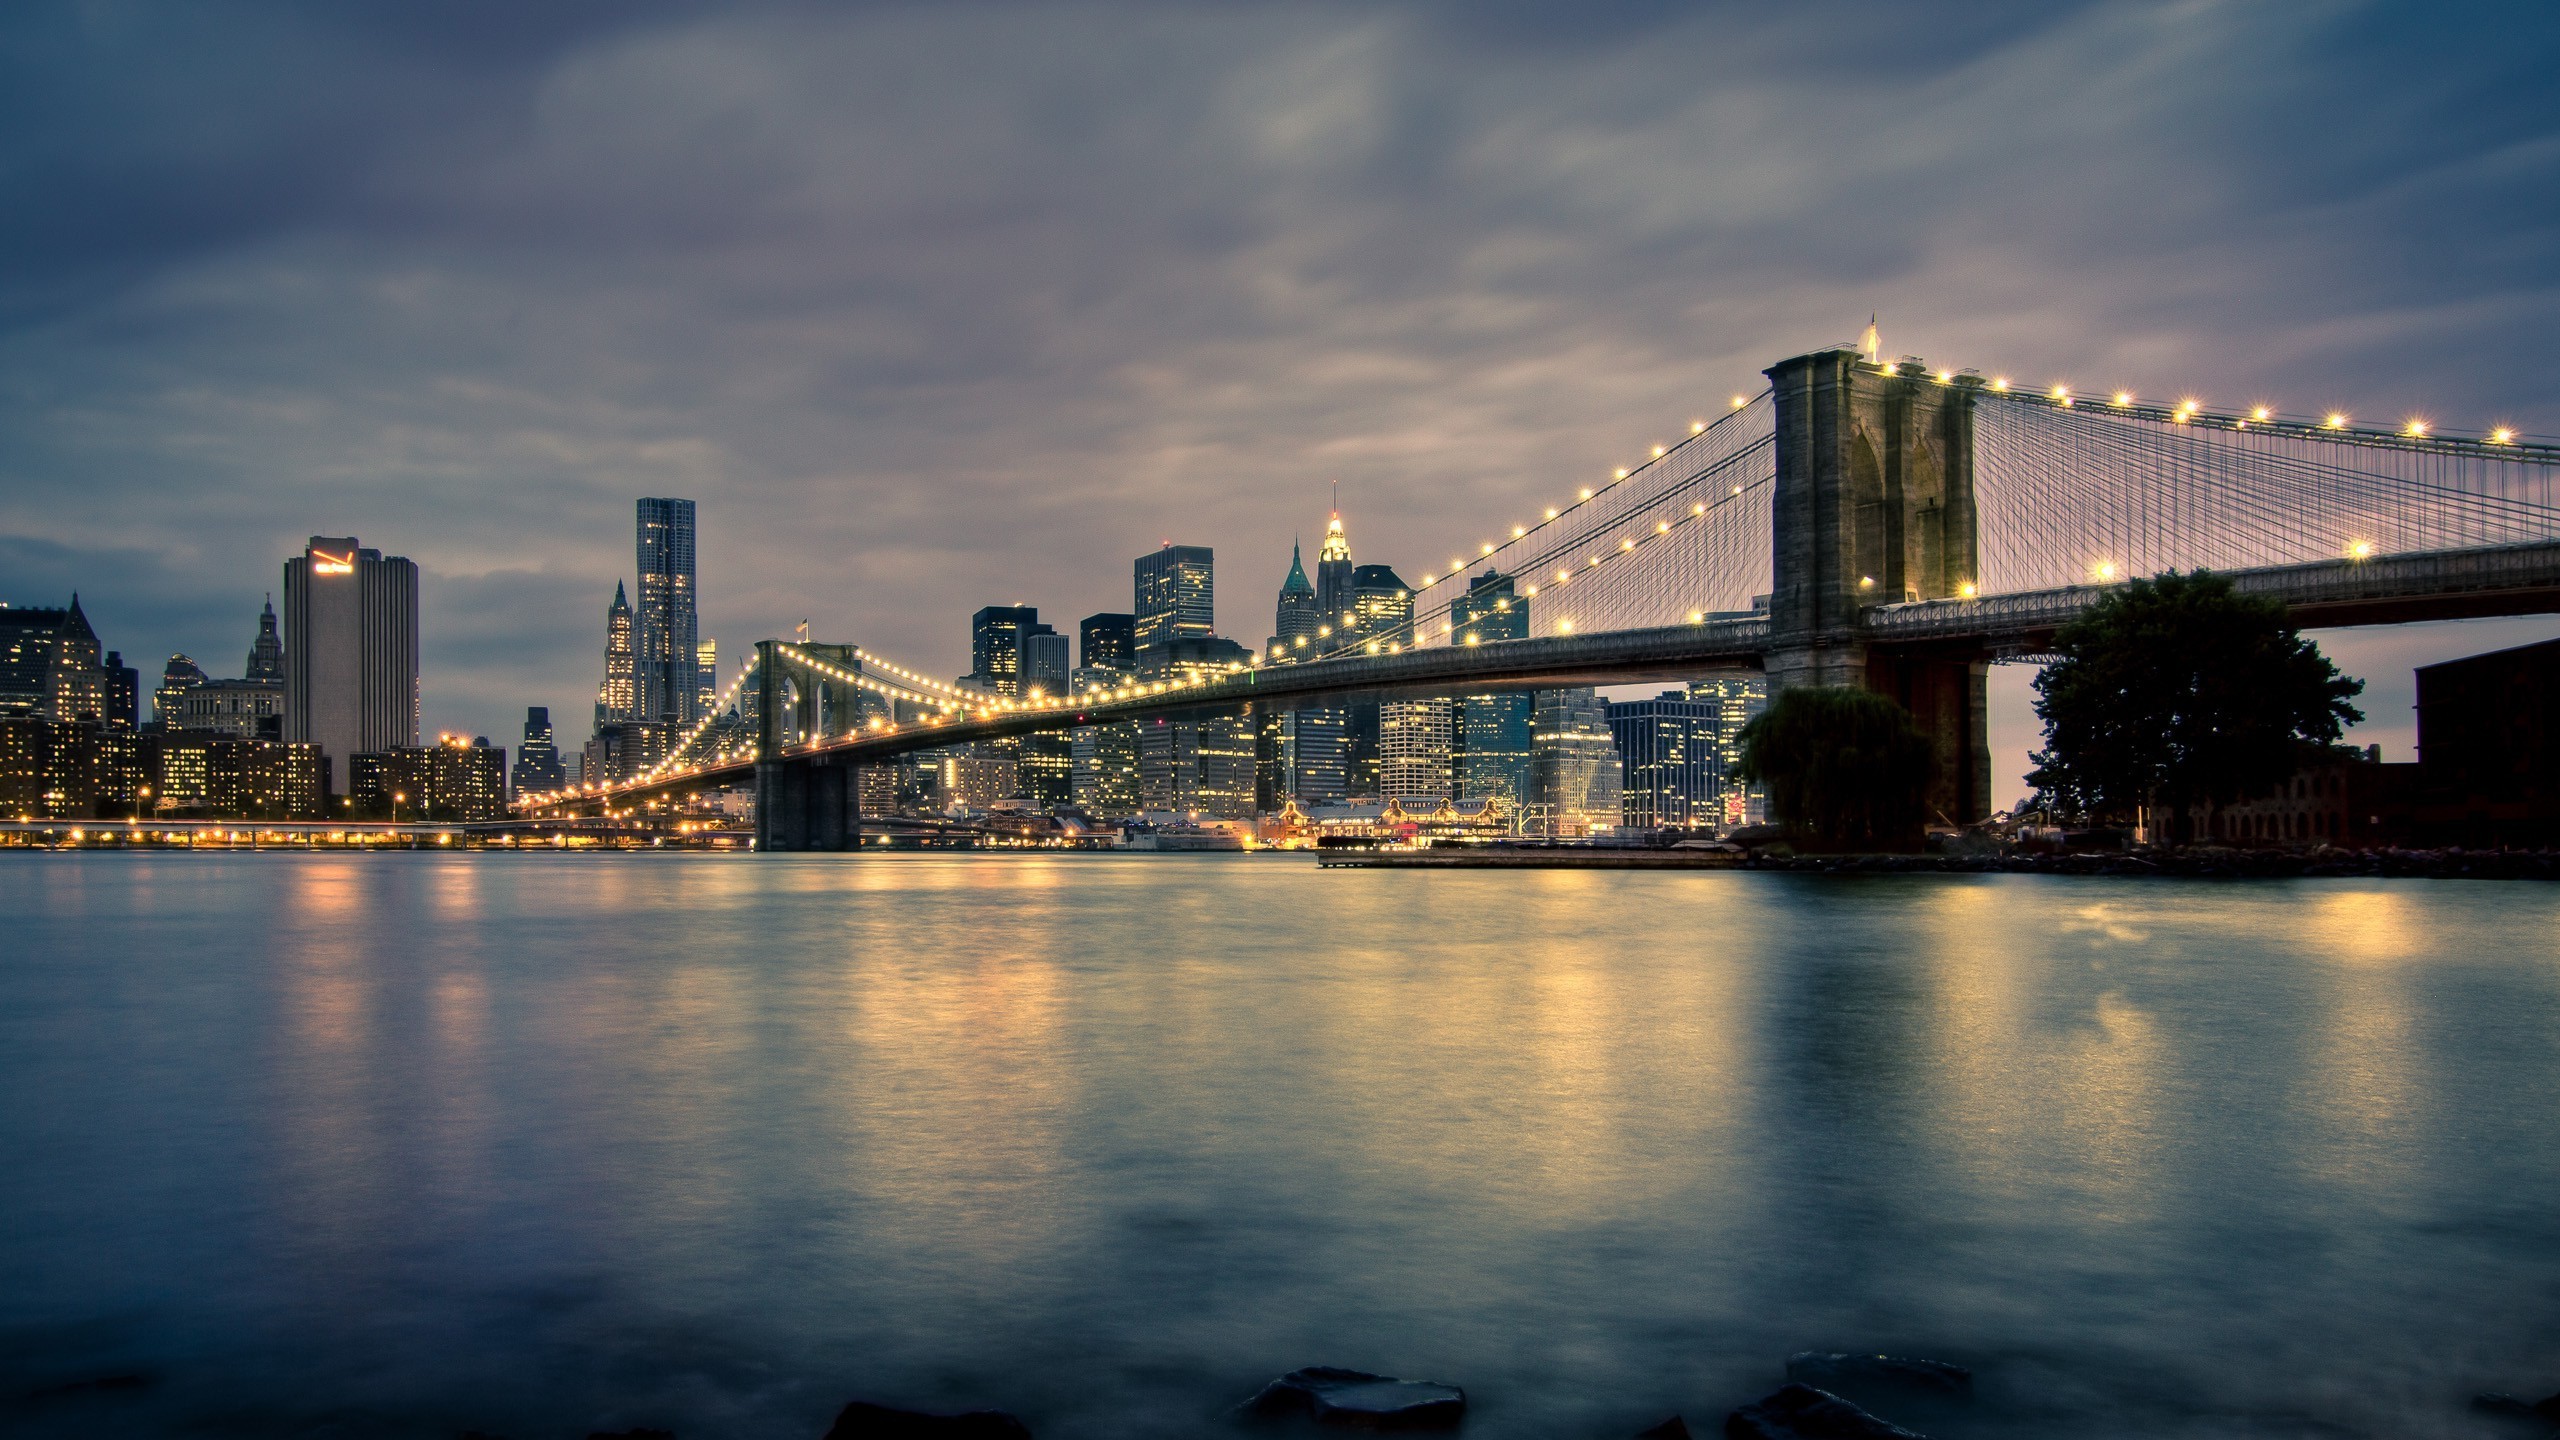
<point>2433,585</point>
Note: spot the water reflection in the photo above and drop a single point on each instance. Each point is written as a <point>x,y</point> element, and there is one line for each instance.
<point>713,1143</point>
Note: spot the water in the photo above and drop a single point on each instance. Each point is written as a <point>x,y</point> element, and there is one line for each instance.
<point>408,1144</point>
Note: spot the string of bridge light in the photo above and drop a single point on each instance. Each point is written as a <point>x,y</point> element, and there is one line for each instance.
<point>1629,545</point>
<point>2332,425</point>
<point>1556,514</point>
<point>703,727</point>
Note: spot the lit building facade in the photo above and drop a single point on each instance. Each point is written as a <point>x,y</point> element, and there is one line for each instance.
<point>1108,641</point>
<point>618,698</point>
<point>50,665</point>
<point>1413,749</point>
<point>1490,751</point>
<point>1738,697</point>
<point>1671,760</point>
<point>1200,766</point>
<point>1103,759</point>
<point>665,625</point>
<point>706,663</point>
<point>350,649</point>
<point>1576,787</point>
<point>1301,754</point>
<point>1176,593</point>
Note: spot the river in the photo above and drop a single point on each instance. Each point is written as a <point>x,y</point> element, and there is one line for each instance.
<point>409,1144</point>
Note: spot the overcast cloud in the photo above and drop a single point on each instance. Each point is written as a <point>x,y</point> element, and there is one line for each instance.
<point>939,306</point>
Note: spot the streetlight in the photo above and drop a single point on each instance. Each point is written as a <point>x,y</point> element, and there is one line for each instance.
<point>141,800</point>
<point>396,798</point>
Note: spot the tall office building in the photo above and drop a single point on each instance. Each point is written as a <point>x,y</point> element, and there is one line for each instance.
<point>1491,749</point>
<point>1302,754</point>
<point>350,650</point>
<point>1413,749</point>
<point>1201,766</point>
<point>1103,759</point>
<point>1297,617</point>
<point>537,768</point>
<point>706,665</point>
<point>1576,785</point>
<point>1108,641</point>
<point>1738,697</point>
<point>996,635</point>
<point>667,666</point>
<point>1333,575</point>
<point>169,702</point>
<point>49,665</point>
<point>1176,594</point>
<point>618,698</point>
<point>1380,605</point>
<point>1047,758</point>
<point>122,693</point>
<point>1668,754</point>
<point>266,653</point>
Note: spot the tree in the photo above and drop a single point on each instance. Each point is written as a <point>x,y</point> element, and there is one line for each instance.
<point>2179,690</point>
<point>1845,769</point>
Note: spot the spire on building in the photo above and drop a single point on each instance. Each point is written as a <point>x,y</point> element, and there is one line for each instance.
<point>1872,342</point>
<point>1297,583</point>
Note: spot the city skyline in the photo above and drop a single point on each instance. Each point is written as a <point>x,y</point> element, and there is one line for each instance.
<point>496,421</point>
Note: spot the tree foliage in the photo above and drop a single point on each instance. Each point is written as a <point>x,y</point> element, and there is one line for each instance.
<point>2177,690</point>
<point>1845,769</point>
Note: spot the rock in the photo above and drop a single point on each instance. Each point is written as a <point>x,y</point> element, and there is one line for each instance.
<point>1800,1412</point>
<point>1927,1377</point>
<point>1336,1396</point>
<point>862,1420</point>
<point>1674,1428</point>
<point>95,1385</point>
<point>2547,1408</point>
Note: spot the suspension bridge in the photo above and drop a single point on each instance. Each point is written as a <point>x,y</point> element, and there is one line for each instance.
<point>1859,522</point>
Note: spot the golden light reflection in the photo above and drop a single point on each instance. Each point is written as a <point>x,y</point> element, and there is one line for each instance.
<point>2364,1078</point>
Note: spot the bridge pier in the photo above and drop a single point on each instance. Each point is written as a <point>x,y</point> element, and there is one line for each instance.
<point>1874,505</point>
<point>811,804</point>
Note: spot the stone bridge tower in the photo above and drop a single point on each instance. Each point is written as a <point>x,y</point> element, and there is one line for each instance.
<point>1874,505</point>
<point>813,802</point>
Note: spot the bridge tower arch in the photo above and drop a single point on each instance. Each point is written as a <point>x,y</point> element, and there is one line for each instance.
<point>1874,505</point>
<point>805,802</point>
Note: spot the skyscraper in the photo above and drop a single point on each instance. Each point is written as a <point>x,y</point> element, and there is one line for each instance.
<point>1176,597</point>
<point>1575,782</point>
<point>618,698</point>
<point>350,650</point>
<point>1333,574</point>
<point>1198,765</point>
<point>1047,765</point>
<point>1491,759</point>
<point>1667,751</point>
<point>1298,615</point>
<point>1413,749</point>
<point>995,646</point>
<point>1103,759</point>
<point>706,657</point>
<point>663,639</point>
<point>49,663</point>
<point>123,691</point>
<point>1302,754</point>
<point>537,765</point>
<point>1108,641</point>
<point>1380,605</point>
<point>1738,696</point>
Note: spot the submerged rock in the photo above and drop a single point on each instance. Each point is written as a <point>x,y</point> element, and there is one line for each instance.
<point>1927,1377</point>
<point>1800,1412</point>
<point>1674,1428</point>
<point>1336,1396</point>
<point>2546,1408</point>
<point>863,1420</point>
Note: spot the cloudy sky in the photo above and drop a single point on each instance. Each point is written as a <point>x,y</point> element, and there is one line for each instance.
<point>936,306</point>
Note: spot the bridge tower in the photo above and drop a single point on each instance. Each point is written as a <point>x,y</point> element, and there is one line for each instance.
<point>1874,505</point>
<point>808,802</point>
